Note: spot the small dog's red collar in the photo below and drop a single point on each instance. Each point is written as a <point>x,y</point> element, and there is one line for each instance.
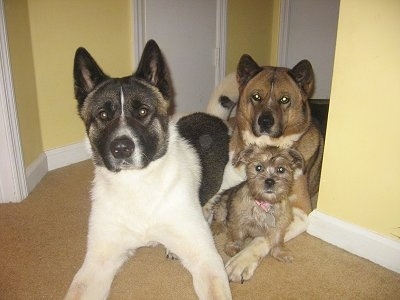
<point>264,205</point>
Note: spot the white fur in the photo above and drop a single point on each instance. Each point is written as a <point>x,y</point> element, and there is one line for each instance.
<point>227,87</point>
<point>122,103</point>
<point>157,204</point>
<point>232,175</point>
<point>298,173</point>
<point>283,142</point>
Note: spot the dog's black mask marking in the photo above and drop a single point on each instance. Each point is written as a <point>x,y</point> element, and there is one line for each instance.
<point>126,118</point>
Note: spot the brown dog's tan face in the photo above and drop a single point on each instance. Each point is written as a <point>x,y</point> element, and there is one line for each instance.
<point>273,100</point>
<point>271,171</point>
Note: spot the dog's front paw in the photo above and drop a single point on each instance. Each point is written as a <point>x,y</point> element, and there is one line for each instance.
<point>282,254</point>
<point>241,267</point>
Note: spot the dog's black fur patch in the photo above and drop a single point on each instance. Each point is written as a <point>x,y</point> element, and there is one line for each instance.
<point>226,102</point>
<point>209,136</point>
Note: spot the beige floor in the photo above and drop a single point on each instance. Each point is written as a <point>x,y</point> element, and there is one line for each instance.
<point>43,241</point>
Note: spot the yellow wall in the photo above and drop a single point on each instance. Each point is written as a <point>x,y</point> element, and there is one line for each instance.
<point>58,27</point>
<point>361,169</point>
<point>44,35</point>
<point>20,46</point>
<point>252,28</point>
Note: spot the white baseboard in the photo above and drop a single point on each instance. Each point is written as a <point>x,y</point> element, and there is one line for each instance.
<point>64,156</point>
<point>379,249</point>
<point>36,171</point>
<point>54,159</point>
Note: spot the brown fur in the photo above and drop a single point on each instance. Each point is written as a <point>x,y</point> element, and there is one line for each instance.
<point>263,118</point>
<point>270,175</point>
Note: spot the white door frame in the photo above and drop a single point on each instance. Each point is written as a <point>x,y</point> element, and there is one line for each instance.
<point>13,186</point>
<point>220,52</point>
<point>283,33</point>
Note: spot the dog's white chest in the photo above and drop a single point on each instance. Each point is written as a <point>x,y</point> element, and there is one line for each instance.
<point>283,142</point>
<point>145,202</point>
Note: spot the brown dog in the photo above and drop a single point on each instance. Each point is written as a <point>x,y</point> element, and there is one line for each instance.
<point>273,110</point>
<point>260,205</point>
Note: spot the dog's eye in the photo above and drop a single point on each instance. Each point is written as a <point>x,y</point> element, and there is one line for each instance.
<point>103,115</point>
<point>281,170</point>
<point>143,111</point>
<point>284,100</point>
<point>256,97</point>
<point>259,168</point>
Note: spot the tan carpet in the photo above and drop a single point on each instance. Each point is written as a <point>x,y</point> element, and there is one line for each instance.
<point>43,242</point>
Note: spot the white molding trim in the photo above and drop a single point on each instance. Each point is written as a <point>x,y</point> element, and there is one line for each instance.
<point>36,171</point>
<point>220,62</point>
<point>12,173</point>
<point>283,33</point>
<point>379,249</point>
<point>67,155</point>
<point>54,159</point>
<point>138,8</point>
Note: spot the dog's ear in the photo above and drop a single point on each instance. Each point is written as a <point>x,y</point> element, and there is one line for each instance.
<point>297,159</point>
<point>87,75</point>
<point>153,69</point>
<point>243,156</point>
<point>303,74</point>
<point>246,69</point>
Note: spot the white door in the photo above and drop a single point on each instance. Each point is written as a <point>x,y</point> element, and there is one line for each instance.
<point>188,32</point>
<point>308,31</point>
<point>13,186</point>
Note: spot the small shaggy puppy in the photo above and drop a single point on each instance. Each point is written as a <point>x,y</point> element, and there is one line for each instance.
<point>259,206</point>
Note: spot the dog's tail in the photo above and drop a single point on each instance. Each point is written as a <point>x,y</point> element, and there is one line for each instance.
<point>224,98</point>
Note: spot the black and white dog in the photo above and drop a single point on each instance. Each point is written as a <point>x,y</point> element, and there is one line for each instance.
<point>148,174</point>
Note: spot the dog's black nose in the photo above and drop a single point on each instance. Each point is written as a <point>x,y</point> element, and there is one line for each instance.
<point>266,121</point>
<point>122,148</point>
<point>269,183</point>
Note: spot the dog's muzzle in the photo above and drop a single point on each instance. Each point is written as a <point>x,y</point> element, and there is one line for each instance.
<point>266,121</point>
<point>122,148</point>
<point>267,125</point>
<point>269,185</point>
